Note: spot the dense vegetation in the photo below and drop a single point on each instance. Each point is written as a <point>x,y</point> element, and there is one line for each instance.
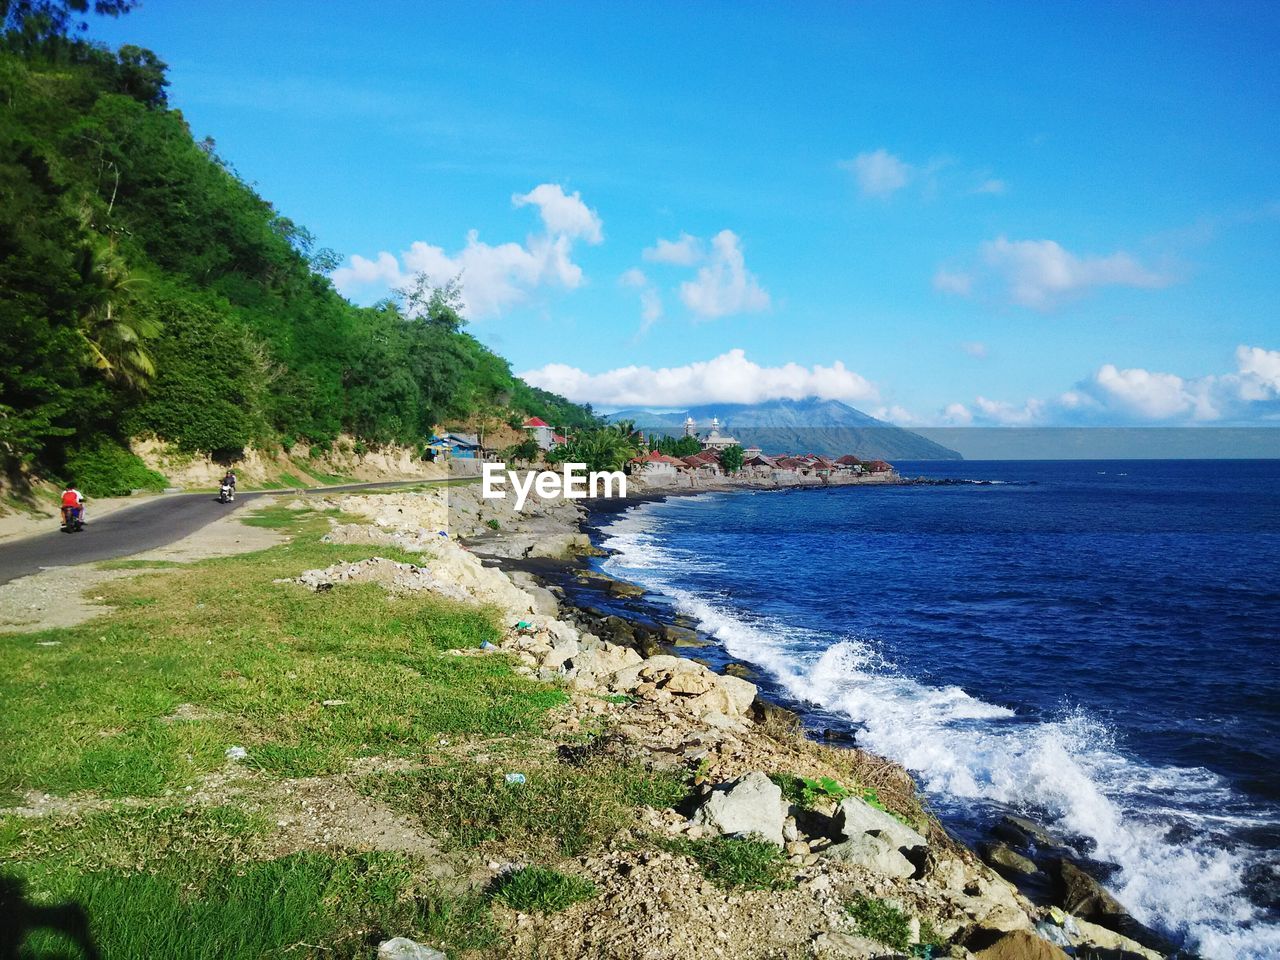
<point>145,289</point>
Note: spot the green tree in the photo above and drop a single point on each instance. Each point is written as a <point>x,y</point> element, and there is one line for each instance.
<point>731,458</point>
<point>114,337</point>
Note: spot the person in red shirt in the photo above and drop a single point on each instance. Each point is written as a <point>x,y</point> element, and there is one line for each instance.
<point>72,503</point>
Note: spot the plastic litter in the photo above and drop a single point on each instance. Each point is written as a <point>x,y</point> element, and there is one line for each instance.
<point>1053,933</point>
<point>236,753</point>
<point>523,625</point>
<point>487,646</point>
<point>515,778</point>
<point>402,948</point>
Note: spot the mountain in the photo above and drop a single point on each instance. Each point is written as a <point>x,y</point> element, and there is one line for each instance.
<point>799,426</point>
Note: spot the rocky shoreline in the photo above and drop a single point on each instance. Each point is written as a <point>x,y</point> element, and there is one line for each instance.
<point>657,692</point>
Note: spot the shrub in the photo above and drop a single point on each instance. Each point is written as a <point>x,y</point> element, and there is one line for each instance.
<point>104,468</point>
<point>492,524</point>
<point>287,442</point>
<point>881,921</point>
<point>360,448</point>
<point>755,864</point>
<point>807,793</point>
<point>540,890</point>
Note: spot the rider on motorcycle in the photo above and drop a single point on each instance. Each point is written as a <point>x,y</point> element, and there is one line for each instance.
<point>230,480</point>
<point>72,503</point>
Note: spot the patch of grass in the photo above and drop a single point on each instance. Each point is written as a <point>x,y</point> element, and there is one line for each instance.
<point>493,524</point>
<point>257,658</point>
<point>137,564</point>
<point>654,788</point>
<point>615,698</point>
<point>728,862</point>
<point>541,890</point>
<point>277,517</point>
<point>292,480</point>
<point>262,909</point>
<point>881,921</point>
<point>557,811</point>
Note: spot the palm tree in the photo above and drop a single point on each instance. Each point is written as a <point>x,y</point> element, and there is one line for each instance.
<point>113,337</point>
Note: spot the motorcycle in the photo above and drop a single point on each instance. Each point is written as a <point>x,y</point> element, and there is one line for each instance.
<point>72,519</point>
<point>226,493</point>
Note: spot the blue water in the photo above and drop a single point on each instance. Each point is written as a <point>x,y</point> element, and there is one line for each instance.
<point>1093,644</point>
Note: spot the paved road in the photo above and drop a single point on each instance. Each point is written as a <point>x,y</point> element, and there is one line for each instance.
<point>146,526</point>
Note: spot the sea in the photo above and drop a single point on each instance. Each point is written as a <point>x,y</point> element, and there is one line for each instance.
<point>1095,645</point>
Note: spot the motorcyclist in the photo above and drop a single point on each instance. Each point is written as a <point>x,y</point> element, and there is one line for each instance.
<point>72,503</point>
<point>229,485</point>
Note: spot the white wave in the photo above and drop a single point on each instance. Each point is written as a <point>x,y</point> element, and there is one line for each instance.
<point>1067,771</point>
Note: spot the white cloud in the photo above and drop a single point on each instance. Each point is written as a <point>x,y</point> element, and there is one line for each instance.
<point>385,270</point>
<point>563,214</point>
<point>493,277</point>
<point>974,349</point>
<point>993,186</point>
<point>879,173</point>
<point>724,286</point>
<point>650,309</point>
<point>1259,373</point>
<point>1134,395</point>
<point>684,252</point>
<point>633,278</point>
<point>896,414</point>
<point>1041,274</point>
<point>728,378</point>
<point>1151,395</point>
<point>948,281</point>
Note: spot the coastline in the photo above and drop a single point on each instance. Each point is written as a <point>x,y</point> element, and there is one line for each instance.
<point>1044,868</point>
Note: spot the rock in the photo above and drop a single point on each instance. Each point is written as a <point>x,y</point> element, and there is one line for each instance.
<point>855,817</point>
<point>1003,857</point>
<point>402,948</point>
<point>561,652</point>
<point>1014,945</point>
<point>681,636</point>
<point>620,588</point>
<point>1021,832</point>
<point>752,804</point>
<point>689,684</point>
<point>874,853</point>
<point>1099,936</point>
<point>1082,895</point>
<point>841,946</point>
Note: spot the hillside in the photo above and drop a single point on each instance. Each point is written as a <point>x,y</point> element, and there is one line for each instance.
<point>800,426</point>
<point>147,291</point>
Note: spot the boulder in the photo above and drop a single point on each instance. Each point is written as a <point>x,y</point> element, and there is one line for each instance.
<point>872,852</point>
<point>1015,945</point>
<point>752,804</point>
<point>855,817</point>
<point>689,684</point>
<point>1003,857</point>
<point>1098,936</point>
<point>1082,895</point>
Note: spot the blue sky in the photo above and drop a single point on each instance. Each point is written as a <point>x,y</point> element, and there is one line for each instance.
<point>941,213</point>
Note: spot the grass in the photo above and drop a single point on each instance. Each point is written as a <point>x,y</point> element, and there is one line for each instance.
<point>541,890</point>
<point>258,659</point>
<point>729,862</point>
<point>808,793</point>
<point>137,564</point>
<point>882,922</point>
<point>186,882</point>
<point>559,811</point>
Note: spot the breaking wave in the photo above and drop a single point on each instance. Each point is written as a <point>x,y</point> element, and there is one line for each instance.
<point>1065,770</point>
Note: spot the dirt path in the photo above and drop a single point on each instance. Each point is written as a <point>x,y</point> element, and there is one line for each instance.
<point>64,596</point>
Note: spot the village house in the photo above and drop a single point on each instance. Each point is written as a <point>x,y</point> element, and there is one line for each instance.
<point>540,431</point>
<point>657,467</point>
<point>455,446</point>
